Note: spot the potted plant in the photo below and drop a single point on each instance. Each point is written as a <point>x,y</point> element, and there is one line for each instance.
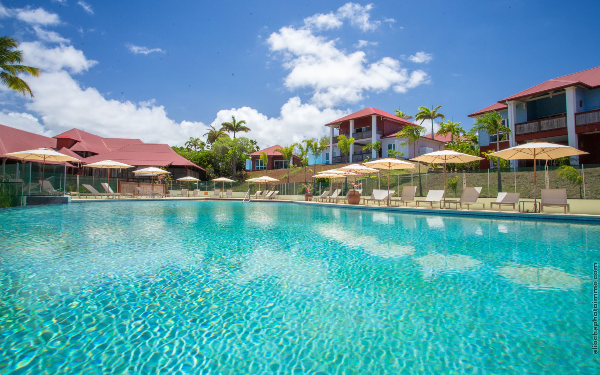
<point>354,195</point>
<point>304,188</point>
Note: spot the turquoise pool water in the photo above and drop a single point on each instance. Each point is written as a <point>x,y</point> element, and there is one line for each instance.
<point>222,287</point>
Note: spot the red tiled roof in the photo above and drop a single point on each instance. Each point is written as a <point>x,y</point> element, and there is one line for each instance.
<point>269,150</point>
<point>88,141</point>
<point>66,151</point>
<point>145,155</point>
<point>371,111</point>
<point>13,140</point>
<point>588,78</point>
<point>493,107</point>
<point>66,137</point>
<point>441,138</point>
<point>116,143</point>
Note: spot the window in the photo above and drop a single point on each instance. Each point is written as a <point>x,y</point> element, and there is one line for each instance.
<point>392,146</point>
<point>281,164</point>
<point>259,164</point>
<point>327,158</point>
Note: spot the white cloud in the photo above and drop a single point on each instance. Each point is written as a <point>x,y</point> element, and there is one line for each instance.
<point>323,21</point>
<point>88,8</point>
<point>365,43</point>
<point>143,50</point>
<point>359,16</point>
<point>334,76</point>
<point>37,16</point>
<point>4,12</point>
<point>421,57</point>
<point>296,122</point>
<point>389,20</point>
<point>23,121</point>
<point>55,59</point>
<point>49,36</point>
<point>427,126</point>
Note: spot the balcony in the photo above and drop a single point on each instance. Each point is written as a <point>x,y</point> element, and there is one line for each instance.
<point>588,117</point>
<point>541,125</point>
<point>358,135</point>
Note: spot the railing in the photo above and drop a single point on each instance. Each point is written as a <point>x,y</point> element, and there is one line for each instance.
<point>363,135</point>
<point>551,123</point>
<point>589,117</point>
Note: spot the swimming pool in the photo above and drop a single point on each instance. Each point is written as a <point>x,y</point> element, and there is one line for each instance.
<point>231,287</point>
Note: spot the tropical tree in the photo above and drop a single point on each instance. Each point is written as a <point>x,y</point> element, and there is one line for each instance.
<point>344,144</point>
<point>303,149</point>
<point>491,123</point>
<point>412,135</point>
<point>265,160</point>
<point>403,115</point>
<point>374,146</point>
<point>195,144</point>
<point>10,66</point>
<point>213,134</point>
<point>472,136</point>
<point>230,151</point>
<point>317,148</point>
<point>452,128</point>
<point>570,174</point>
<point>287,153</point>
<point>234,126</point>
<point>426,113</point>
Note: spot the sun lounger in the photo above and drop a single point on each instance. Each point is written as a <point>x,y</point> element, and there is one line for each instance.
<point>196,193</point>
<point>508,199</point>
<point>152,193</point>
<point>380,196</point>
<point>408,195</point>
<point>93,192</point>
<point>217,193</point>
<point>141,192</point>
<point>109,191</point>
<point>345,198</point>
<point>229,194</point>
<point>264,194</point>
<point>47,187</point>
<point>554,198</point>
<point>268,196</point>
<point>256,195</point>
<point>334,195</point>
<point>468,197</point>
<point>321,197</point>
<point>274,195</point>
<point>184,193</point>
<point>433,196</point>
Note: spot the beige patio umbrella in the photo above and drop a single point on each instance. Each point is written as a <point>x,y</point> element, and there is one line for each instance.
<point>537,151</point>
<point>108,164</point>
<point>223,180</point>
<point>445,157</point>
<point>188,179</point>
<point>389,164</point>
<point>333,174</point>
<point>151,171</point>
<point>43,154</point>
<point>265,179</point>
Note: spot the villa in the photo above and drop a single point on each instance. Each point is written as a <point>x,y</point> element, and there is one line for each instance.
<point>275,160</point>
<point>563,110</point>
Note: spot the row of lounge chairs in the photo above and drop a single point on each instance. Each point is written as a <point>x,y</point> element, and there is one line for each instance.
<point>469,197</point>
<point>265,194</point>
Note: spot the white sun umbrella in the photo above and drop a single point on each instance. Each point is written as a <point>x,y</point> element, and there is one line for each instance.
<point>109,164</point>
<point>188,179</point>
<point>334,174</point>
<point>537,151</point>
<point>151,171</point>
<point>43,154</point>
<point>223,180</point>
<point>265,179</point>
<point>445,157</point>
<point>389,164</point>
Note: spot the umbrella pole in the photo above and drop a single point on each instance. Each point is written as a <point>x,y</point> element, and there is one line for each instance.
<point>445,162</point>
<point>534,184</point>
<point>389,170</point>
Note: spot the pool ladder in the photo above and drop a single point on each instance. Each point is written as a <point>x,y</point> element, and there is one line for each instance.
<point>247,196</point>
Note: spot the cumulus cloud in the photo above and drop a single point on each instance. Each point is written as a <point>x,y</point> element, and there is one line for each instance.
<point>49,36</point>
<point>55,59</point>
<point>335,76</point>
<point>365,43</point>
<point>421,57</point>
<point>427,126</point>
<point>86,7</point>
<point>143,50</point>
<point>37,16</point>
<point>323,21</point>
<point>356,14</point>
<point>23,121</point>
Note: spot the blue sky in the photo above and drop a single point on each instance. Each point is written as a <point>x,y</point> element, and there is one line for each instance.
<point>164,71</point>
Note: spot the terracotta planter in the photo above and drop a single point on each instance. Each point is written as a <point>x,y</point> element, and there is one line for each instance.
<point>353,197</point>
<point>307,197</point>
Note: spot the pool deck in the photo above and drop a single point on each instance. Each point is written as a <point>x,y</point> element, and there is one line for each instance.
<point>475,213</point>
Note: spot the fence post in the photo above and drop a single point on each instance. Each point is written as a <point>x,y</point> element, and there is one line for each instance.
<point>583,178</point>
<point>489,195</point>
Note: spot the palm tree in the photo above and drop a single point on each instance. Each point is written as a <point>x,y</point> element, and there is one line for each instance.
<point>194,144</point>
<point>213,134</point>
<point>374,146</point>
<point>403,115</point>
<point>304,148</point>
<point>287,153</point>
<point>344,144</point>
<point>491,123</point>
<point>10,66</point>
<point>412,135</point>
<point>429,114</point>
<point>317,148</point>
<point>452,128</point>
<point>234,126</point>
<point>265,160</point>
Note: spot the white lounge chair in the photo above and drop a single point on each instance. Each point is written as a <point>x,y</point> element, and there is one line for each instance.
<point>268,196</point>
<point>196,193</point>
<point>109,191</point>
<point>433,196</point>
<point>256,195</point>
<point>274,195</point>
<point>48,188</point>
<point>468,197</point>
<point>321,197</point>
<point>506,199</point>
<point>334,195</point>
<point>229,194</point>
<point>380,196</point>
<point>554,198</point>
<point>93,192</point>
<point>184,193</point>
<point>217,193</point>
<point>408,195</point>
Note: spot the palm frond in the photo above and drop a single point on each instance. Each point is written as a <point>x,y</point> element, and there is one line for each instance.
<point>15,83</point>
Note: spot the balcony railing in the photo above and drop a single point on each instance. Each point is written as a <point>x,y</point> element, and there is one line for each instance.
<point>363,135</point>
<point>586,118</point>
<point>543,125</point>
